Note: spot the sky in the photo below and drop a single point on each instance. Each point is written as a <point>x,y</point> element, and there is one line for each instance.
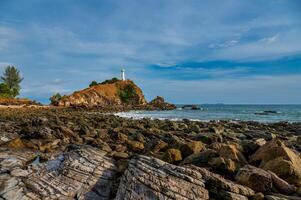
<point>194,51</point>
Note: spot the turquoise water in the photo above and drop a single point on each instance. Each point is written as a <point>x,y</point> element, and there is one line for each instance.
<point>290,113</point>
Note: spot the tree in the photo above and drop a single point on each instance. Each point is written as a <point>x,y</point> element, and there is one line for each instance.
<point>113,80</point>
<point>93,83</point>
<point>54,100</point>
<point>12,79</point>
<point>127,93</point>
<point>4,91</point>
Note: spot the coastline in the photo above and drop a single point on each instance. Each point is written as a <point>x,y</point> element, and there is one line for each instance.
<point>36,142</point>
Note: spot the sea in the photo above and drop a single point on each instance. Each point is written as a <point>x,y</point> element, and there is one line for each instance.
<point>208,112</point>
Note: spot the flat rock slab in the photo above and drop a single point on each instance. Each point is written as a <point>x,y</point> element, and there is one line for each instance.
<point>82,173</point>
<point>152,179</point>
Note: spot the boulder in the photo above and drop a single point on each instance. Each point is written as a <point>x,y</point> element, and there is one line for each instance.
<point>257,179</point>
<point>151,178</point>
<point>263,181</point>
<point>221,188</point>
<point>251,146</point>
<point>223,165</point>
<point>135,145</point>
<point>158,145</point>
<point>172,156</point>
<point>281,160</point>
<point>191,147</point>
<point>230,158</point>
<point>200,159</point>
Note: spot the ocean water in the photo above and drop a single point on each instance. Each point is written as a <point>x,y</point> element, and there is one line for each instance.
<point>261,113</point>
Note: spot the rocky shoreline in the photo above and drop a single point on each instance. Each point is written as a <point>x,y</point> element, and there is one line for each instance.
<point>64,153</point>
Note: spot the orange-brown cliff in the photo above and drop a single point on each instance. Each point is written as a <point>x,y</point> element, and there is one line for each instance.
<point>106,94</point>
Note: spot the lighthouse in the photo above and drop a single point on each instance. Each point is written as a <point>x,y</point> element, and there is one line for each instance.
<point>123,74</point>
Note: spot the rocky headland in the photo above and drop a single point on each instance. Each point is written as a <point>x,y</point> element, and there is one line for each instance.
<point>114,95</point>
<point>64,153</point>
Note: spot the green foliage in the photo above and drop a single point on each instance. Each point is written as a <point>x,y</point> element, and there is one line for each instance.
<point>127,93</point>
<point>5,91</point>
<point>113,80</point>
<point>12,79</point>
<point>93,83</point>
<point>54,100</point>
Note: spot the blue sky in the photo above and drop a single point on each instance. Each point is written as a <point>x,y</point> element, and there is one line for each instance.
<point>233,51</point>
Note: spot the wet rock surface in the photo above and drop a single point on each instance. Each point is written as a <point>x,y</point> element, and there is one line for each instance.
<point>59,153</point>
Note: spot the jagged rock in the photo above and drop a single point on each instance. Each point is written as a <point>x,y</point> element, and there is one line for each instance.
<point>82,173</point>
<point>281,160</point>
<point>151,178</point>
<point>220,188</point>
<point>15,158</point>
<point>19,172</point>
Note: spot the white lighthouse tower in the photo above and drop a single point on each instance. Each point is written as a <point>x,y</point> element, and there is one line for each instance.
<point>123,74</point>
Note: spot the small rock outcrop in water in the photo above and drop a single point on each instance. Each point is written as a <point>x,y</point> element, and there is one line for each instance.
<point>160,104</point>
<point>107,94</point>
<point>191,107</point>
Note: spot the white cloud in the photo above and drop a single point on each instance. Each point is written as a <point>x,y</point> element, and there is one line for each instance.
<point>269,40</point>
<point>267,48</point>
<point>226,44</point>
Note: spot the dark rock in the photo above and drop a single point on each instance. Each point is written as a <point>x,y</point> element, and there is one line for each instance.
<point>159,103</point>
<point>150,178</point>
